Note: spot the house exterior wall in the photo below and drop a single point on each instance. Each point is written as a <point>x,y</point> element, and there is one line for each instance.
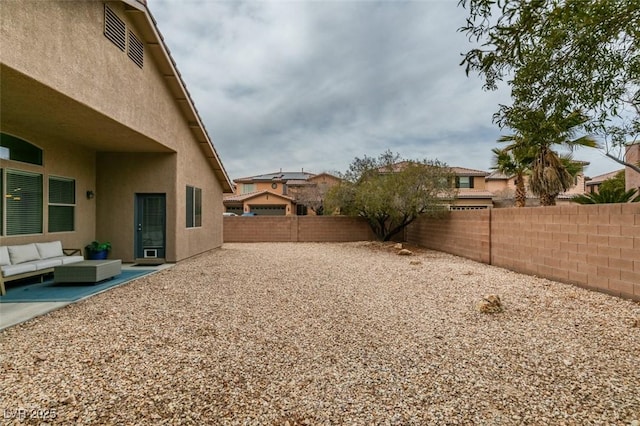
<point>115,196</point>
<point>479,182</point>
<point>498,185</point>
<point>156,173</point>
<point>324,180</point>
<point>77,163</point>
<point>632,178</point>
<point>472,203</point>
<point>593,246</point>
<point>263,186</point>
<point>578,187</point>
<point>61,43</point>
<point>121,130</point>
<point>269,200</point>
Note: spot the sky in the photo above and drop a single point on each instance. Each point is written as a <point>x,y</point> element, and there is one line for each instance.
<point>311,85</point>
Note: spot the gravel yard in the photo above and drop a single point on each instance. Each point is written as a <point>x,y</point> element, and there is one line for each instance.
<point>350,333</point>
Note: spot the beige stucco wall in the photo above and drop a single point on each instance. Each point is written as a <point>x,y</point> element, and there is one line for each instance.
<point>262,186</point>
<point>75,162</point>
<point>62,43</point>
<point>193,170</point>
<point>499,185</point>
<point>269,200</point>
<point>479,182</point>
<point>131,132</point>
<point>120,177</point>
<point>631,177</point>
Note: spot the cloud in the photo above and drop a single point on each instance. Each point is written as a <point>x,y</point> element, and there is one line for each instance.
<point>292,84</point>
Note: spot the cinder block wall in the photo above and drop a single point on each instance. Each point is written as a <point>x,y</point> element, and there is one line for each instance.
<point>333,229</point>
<point>463,233</point>
<point>593,246</point>
<point>295,229</point>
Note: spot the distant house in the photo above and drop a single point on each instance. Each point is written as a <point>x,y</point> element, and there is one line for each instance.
<point>592,185</point>
<point>472,190</point>
<point>296,193</point>
<point>100,138</point>
<point>262,203</point>
<point>632,177</point>
<point>503,188</point>
<point>472,193</point>
<point>277,183</point>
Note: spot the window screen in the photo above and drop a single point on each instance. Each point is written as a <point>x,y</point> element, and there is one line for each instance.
<point>194,207</point>
<point>62,200</point>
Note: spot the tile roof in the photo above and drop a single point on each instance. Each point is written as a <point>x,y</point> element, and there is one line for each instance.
<point>459,171</point>
<point>601,178</point>
<point>249,195</point>
<point>462,171</point>
<point>498,175</point>
<point>278,176</point>
<point>298,182</point>
<point>474,193</point>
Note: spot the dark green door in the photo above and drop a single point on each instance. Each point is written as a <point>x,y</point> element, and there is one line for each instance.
<point>150,226</point>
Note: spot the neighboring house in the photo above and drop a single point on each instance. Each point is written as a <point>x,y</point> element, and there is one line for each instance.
<point>503,188</point>
<point>278,182</point>
<point>472,190</point>
<point>309,194</point>
<point>472,193</point>
<point>500,184</point>
<point>262,203</point>
<point>100,138</point>
<point>578,188</point>
<point>592,185</point>
<point>296,193</point>
<point>631,177</point>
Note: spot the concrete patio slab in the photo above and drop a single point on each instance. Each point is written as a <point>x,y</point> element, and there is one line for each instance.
<point>15,313</point>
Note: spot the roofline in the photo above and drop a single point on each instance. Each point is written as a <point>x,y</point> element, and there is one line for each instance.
<point>193,117</point>
<point>271,179</point>
<point>256,194</point>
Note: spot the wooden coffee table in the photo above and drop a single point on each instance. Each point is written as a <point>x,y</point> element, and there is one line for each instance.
<point>87,271</point>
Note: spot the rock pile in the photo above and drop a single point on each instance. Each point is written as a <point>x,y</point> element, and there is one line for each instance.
<point>490,304</point>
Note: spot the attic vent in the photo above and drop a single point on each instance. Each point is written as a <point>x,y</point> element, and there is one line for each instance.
<point>114,28</point>
<point>136,50</point>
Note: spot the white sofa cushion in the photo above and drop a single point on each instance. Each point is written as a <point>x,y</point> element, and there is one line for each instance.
<point>47,263</point>
<point>23,253</point>
<point>71,259</point>
<point>9,270</point>
<point>4,256</point>
<point>49,250</point>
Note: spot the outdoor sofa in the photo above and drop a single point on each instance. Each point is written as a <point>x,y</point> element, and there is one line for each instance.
<point>28,260</point>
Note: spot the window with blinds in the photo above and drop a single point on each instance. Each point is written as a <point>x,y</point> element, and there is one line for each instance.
<point>62,200</point>
<point>194,207</point>
<point>23,202</point>
<point>464,181</point>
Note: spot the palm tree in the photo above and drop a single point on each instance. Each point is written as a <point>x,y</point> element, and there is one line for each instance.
<point>513,162</point>
<point>536,134</point>
<point>608,195</point>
